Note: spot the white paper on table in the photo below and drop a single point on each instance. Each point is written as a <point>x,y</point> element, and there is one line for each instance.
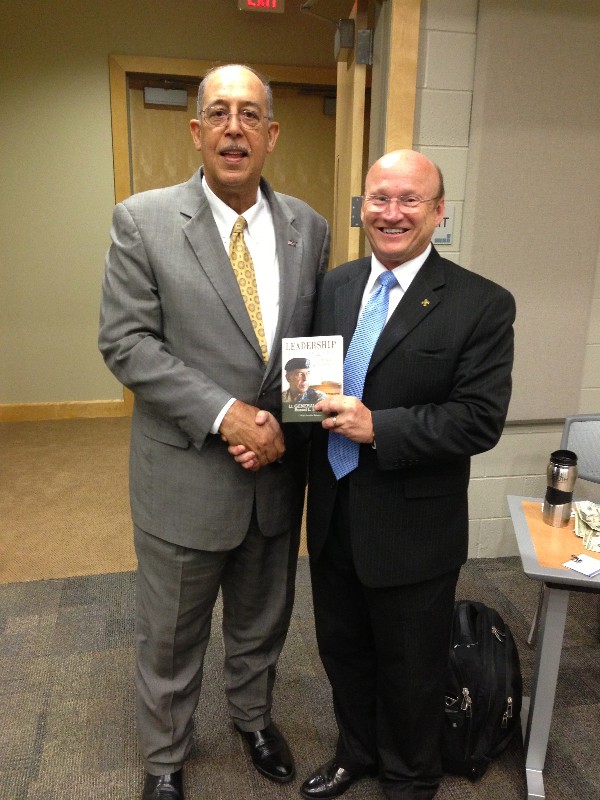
<point>587,565</point>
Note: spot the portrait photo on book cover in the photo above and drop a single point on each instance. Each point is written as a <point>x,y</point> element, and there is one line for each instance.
<point>311,370</point>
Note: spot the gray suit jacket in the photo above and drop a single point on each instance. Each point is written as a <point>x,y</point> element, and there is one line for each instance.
<point>174,330</point>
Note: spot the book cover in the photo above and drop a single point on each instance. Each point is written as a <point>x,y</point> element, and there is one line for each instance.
<point>312,368</point>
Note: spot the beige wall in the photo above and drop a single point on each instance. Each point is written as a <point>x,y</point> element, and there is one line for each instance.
<point>459,89</point>
<point>56,162</point>
<point>57,165</point>
<point>508,106</point>
<point>57,191</point>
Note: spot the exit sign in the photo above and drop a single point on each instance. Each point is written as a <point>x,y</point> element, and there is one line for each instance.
<point>274,6</point>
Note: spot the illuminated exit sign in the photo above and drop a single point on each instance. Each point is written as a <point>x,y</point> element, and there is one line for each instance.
<point>274,6</point>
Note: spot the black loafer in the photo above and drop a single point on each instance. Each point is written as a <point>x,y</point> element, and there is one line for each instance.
<point>269,753</point>
<point>164,787</point>
<point>330,780</point>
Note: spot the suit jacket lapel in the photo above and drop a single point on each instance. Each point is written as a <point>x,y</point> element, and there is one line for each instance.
<point>290,247</point>
<point>203,235</point>
<point>416,305</point>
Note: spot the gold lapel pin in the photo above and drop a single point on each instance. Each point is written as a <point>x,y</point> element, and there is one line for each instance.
<point>425,302</point>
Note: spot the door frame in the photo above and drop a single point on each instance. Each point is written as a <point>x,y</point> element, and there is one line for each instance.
<point>395,29</point>
<point>122,67</point>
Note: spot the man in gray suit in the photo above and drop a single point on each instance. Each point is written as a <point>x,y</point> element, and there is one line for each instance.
<point>176,330</point>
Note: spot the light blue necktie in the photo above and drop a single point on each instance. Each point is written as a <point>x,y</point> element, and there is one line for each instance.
<point>342,452</point>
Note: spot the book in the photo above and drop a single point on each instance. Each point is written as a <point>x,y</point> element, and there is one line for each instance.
<point>312,368</point>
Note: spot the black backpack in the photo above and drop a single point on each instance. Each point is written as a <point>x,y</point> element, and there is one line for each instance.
<point>484,690</point>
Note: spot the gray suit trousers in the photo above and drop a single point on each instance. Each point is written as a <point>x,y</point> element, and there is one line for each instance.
<point>177,588</point>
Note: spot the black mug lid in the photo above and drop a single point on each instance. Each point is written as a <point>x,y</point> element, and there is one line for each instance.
<point>564,458</point>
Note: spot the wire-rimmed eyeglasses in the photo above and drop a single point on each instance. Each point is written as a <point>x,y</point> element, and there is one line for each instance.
<point>218,117</point>
<point>406,202</point>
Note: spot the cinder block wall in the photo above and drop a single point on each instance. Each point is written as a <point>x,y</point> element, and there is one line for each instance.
<point>445,91</point>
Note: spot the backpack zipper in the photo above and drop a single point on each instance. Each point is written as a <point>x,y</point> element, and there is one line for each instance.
<point>467,703</point>
<point>500,635</point>
<point>508,713</point>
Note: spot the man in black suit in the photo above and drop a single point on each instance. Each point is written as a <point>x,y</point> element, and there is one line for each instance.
<point>386,541</point>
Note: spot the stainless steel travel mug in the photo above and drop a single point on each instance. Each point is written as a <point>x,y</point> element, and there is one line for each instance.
<point>561,474</point>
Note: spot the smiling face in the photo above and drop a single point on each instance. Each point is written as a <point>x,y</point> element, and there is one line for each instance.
<point>398,235</point>
<point>234,156</point>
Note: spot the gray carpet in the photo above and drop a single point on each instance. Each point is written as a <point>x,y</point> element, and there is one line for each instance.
<point>66,665</point>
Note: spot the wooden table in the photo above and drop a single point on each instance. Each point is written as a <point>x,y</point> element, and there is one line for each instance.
<point>543,549</point>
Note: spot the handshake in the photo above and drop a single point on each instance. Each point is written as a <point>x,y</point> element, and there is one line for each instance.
<point>253,435</point>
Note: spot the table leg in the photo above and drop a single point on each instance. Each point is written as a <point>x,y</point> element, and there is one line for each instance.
<point>550,639</point>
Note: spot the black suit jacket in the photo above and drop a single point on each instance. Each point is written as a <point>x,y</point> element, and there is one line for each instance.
<point>438,385</point>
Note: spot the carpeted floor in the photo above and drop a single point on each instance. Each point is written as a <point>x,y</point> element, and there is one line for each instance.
<point>64,506</point>
<point>66,647</point>
<point>66,664</point>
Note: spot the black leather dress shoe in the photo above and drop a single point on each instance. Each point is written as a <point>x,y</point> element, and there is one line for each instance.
<point>164,787</point>
<point>330,780</point>
<point>269,753</point>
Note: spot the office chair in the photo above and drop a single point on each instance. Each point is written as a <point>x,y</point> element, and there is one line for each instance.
<point>581,434</point>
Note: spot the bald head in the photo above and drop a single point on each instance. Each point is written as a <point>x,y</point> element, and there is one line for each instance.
<point>234,69</point>
<point>407,161</point>
<point>402,206</point>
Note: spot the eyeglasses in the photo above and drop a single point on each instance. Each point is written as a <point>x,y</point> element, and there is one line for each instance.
<point>406,202</point>
<point>218,117</point>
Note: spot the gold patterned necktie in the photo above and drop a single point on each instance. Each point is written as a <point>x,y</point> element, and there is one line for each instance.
<point>241,261</point>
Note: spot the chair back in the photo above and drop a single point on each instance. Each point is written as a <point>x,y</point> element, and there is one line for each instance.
<point>581,434</point>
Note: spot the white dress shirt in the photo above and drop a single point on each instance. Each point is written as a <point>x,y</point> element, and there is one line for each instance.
<point>259,236</point>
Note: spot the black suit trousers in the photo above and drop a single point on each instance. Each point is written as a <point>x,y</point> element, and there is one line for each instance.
<point>385,651</point>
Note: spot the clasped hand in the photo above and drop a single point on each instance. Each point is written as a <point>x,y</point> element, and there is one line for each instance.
<point>254,432</point>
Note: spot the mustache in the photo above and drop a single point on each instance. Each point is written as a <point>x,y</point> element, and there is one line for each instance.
<point>235,148</point>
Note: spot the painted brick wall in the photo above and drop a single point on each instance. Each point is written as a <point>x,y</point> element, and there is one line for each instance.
<point>444,96</point>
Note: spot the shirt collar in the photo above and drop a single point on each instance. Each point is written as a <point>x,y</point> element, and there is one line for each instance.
<point>405,273</point>
<point>225,216</point>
